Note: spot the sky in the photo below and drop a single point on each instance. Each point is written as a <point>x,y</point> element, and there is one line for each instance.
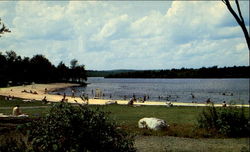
<point>107,35</point>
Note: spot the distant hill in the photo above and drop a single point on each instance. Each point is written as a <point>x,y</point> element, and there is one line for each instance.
<point>94,73</point>
<point>210,72</point>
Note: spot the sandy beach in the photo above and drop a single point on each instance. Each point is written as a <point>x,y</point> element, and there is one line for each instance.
<point>17,91</point>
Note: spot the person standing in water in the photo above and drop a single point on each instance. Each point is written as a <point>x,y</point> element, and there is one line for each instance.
<point>73,93</point>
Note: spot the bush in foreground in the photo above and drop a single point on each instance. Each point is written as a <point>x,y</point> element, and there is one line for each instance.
<point>13,145</point>
<point>70,128</point>
<point>78,128</point>
<point>230,121</point>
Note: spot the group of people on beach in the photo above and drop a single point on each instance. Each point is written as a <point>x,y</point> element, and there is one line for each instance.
<point>9,97</point>
<point>32,92</point>
<point>140,99</point>
<point>210,102</point>
<point>83,96</point>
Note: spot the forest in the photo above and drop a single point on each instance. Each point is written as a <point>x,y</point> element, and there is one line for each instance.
<point>210,72</point>
<point>15,70</point>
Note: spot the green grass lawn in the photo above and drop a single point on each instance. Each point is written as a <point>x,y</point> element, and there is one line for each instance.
<point>130,115</point>
<point>33,108</point>
<point>182,120</point>
<point>17,101</point>
<point>124,115</point>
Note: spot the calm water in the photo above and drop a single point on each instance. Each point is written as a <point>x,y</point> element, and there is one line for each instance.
<point>180,90</point>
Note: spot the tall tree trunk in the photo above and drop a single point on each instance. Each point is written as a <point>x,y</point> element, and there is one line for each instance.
<point>239,19</point>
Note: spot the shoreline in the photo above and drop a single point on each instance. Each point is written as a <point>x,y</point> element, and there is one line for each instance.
<point>17,91</point>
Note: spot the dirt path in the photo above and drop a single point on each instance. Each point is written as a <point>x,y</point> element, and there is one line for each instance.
<point>179,144</point>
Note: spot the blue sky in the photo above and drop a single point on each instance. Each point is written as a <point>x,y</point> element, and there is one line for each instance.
<point>105,35</point>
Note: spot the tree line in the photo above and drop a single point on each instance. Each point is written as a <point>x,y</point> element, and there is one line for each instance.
<point>103,73</point>
<point>15,70</point>
<point>210,72</point>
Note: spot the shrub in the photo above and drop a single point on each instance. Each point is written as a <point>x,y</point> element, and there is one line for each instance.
<point>13,145</point>
<point>70,128</point>
<point>230,121</point>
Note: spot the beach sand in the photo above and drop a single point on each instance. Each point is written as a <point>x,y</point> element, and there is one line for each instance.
<point>40,89</point>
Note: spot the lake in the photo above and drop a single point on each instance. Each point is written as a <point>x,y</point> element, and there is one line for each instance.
<point>180,90</point>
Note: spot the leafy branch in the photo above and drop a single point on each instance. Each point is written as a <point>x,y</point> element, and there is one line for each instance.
<point>3,28</point>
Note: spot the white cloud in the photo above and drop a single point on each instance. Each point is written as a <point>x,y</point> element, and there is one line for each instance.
<point>241,47</point>
<point>38,20</point>
<point>149,25</point>
<point>110,27</point>
<point>132,35</point>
